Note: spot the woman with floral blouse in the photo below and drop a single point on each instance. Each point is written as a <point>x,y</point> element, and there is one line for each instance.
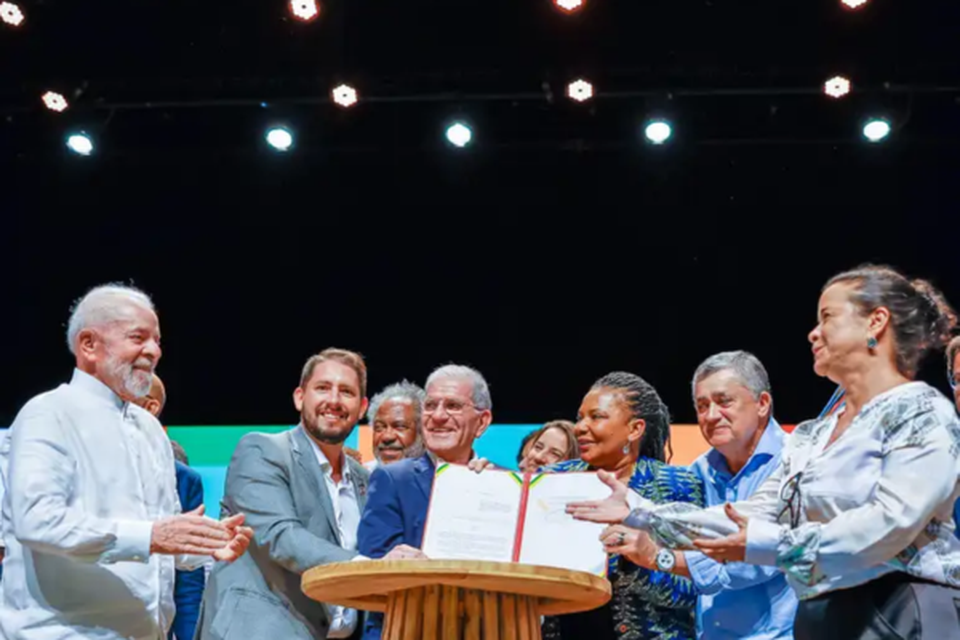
<point>859,513</point>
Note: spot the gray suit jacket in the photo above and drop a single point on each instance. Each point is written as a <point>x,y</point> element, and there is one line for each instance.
<point>276,481</point>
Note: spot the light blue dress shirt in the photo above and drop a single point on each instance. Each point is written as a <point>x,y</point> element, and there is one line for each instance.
<point>740,601</point>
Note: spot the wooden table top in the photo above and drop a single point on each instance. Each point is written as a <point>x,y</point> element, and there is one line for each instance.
<point>365,584</point>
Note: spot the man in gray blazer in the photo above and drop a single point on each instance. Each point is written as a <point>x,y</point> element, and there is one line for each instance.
<point>303,498</point>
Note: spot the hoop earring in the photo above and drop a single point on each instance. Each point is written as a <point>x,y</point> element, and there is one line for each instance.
<point>871,343</point>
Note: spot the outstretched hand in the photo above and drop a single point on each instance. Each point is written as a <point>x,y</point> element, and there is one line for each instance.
<point>612,510</point>
<point>731,548</point>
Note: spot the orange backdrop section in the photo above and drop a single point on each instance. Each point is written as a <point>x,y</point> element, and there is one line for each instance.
<point>688,444</point>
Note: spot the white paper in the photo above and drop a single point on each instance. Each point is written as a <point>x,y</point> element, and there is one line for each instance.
<point>553,538</point>
<point>472,516</point>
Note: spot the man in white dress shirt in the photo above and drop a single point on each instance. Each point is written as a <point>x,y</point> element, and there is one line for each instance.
<point>91,519</point>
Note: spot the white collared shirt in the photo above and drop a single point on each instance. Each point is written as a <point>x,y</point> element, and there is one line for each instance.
<point>4,447</point>
<point>87,475</point>
<point>346,509</point>
<point>879,499</point>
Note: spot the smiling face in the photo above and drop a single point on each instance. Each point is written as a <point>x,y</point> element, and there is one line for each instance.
<point>549,448</point>
<point>729,415</point>
<point>394,429</point>
<point>839,341</point>
<point>330,403</point>
<point>451,422</point>
<point>124,352</point>
<point>605,425</point>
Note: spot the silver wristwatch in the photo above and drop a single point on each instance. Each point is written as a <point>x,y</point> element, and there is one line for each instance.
<point>666,560</point>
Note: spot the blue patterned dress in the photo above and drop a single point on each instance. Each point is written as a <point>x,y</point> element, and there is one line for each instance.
<point>645,604</point>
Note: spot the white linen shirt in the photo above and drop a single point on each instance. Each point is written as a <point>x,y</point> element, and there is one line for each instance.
<point>4,446</point>
<point>346,509</point>
<point>879,499</point>
<point>87,476</point>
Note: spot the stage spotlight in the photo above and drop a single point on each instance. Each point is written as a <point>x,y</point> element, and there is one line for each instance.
<point>836,87</point>
<point>279,138</point>
<point>853,4</point>
<point>54,101</point>
<point>304,9</point>
<point>459,134</point>
<point>580,90</point>
<point>80,143</point>
<point>569,5</point>
<point>876,129</point>
<point>658,131</point>
<point>11,14</point>
<point>345,95</point>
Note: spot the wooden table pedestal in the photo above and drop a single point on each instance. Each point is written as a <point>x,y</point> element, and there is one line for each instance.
<point>456,599</point>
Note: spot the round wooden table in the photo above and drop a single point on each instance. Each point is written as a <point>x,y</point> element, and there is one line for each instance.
<point>454,599</point>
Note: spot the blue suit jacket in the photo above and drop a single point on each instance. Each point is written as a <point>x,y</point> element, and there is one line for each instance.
<point>188,586</point>
<point>397,502</point>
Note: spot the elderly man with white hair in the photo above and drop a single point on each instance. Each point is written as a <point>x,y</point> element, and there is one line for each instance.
<point>456,411</point>
<point>395,416</point>
<point>92,522</point>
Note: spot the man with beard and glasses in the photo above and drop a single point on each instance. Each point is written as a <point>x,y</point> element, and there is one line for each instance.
<point>303,497</point>
<point>92,523</point>
<point>395,415</point>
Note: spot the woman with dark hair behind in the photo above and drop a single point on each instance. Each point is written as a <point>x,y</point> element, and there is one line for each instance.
<point>623,427</point>
<point>859,513</point>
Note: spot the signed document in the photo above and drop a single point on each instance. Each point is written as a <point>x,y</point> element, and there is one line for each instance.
<point>504,516</point>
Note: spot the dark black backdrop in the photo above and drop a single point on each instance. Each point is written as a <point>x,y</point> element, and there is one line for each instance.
<point>558,249</point>
<point>543,278</point>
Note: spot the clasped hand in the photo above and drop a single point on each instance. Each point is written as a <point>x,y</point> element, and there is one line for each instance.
<point>195,534</point>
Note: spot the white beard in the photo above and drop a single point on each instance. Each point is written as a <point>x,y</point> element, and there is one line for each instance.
<point>135,382</point>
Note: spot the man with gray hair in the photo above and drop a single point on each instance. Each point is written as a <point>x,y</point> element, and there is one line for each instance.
<point>731,393</point>
<point>91,520</point>
<point>395,414</point>
<point>457,410</point>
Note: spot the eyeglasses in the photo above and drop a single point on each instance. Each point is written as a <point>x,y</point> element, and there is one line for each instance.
<point>790,493</point>
<point>454,407</point>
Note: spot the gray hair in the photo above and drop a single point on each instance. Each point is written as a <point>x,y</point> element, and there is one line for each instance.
<point>103,305</point>
<point>403,390</point>
<point>481,391</point>
<point>743,364</point>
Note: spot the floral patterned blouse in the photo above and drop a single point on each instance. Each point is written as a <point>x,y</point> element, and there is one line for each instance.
<point>879,499</point>
<point>645,604</point>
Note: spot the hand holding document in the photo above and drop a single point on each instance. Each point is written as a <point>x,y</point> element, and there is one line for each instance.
<point>507,517</point>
